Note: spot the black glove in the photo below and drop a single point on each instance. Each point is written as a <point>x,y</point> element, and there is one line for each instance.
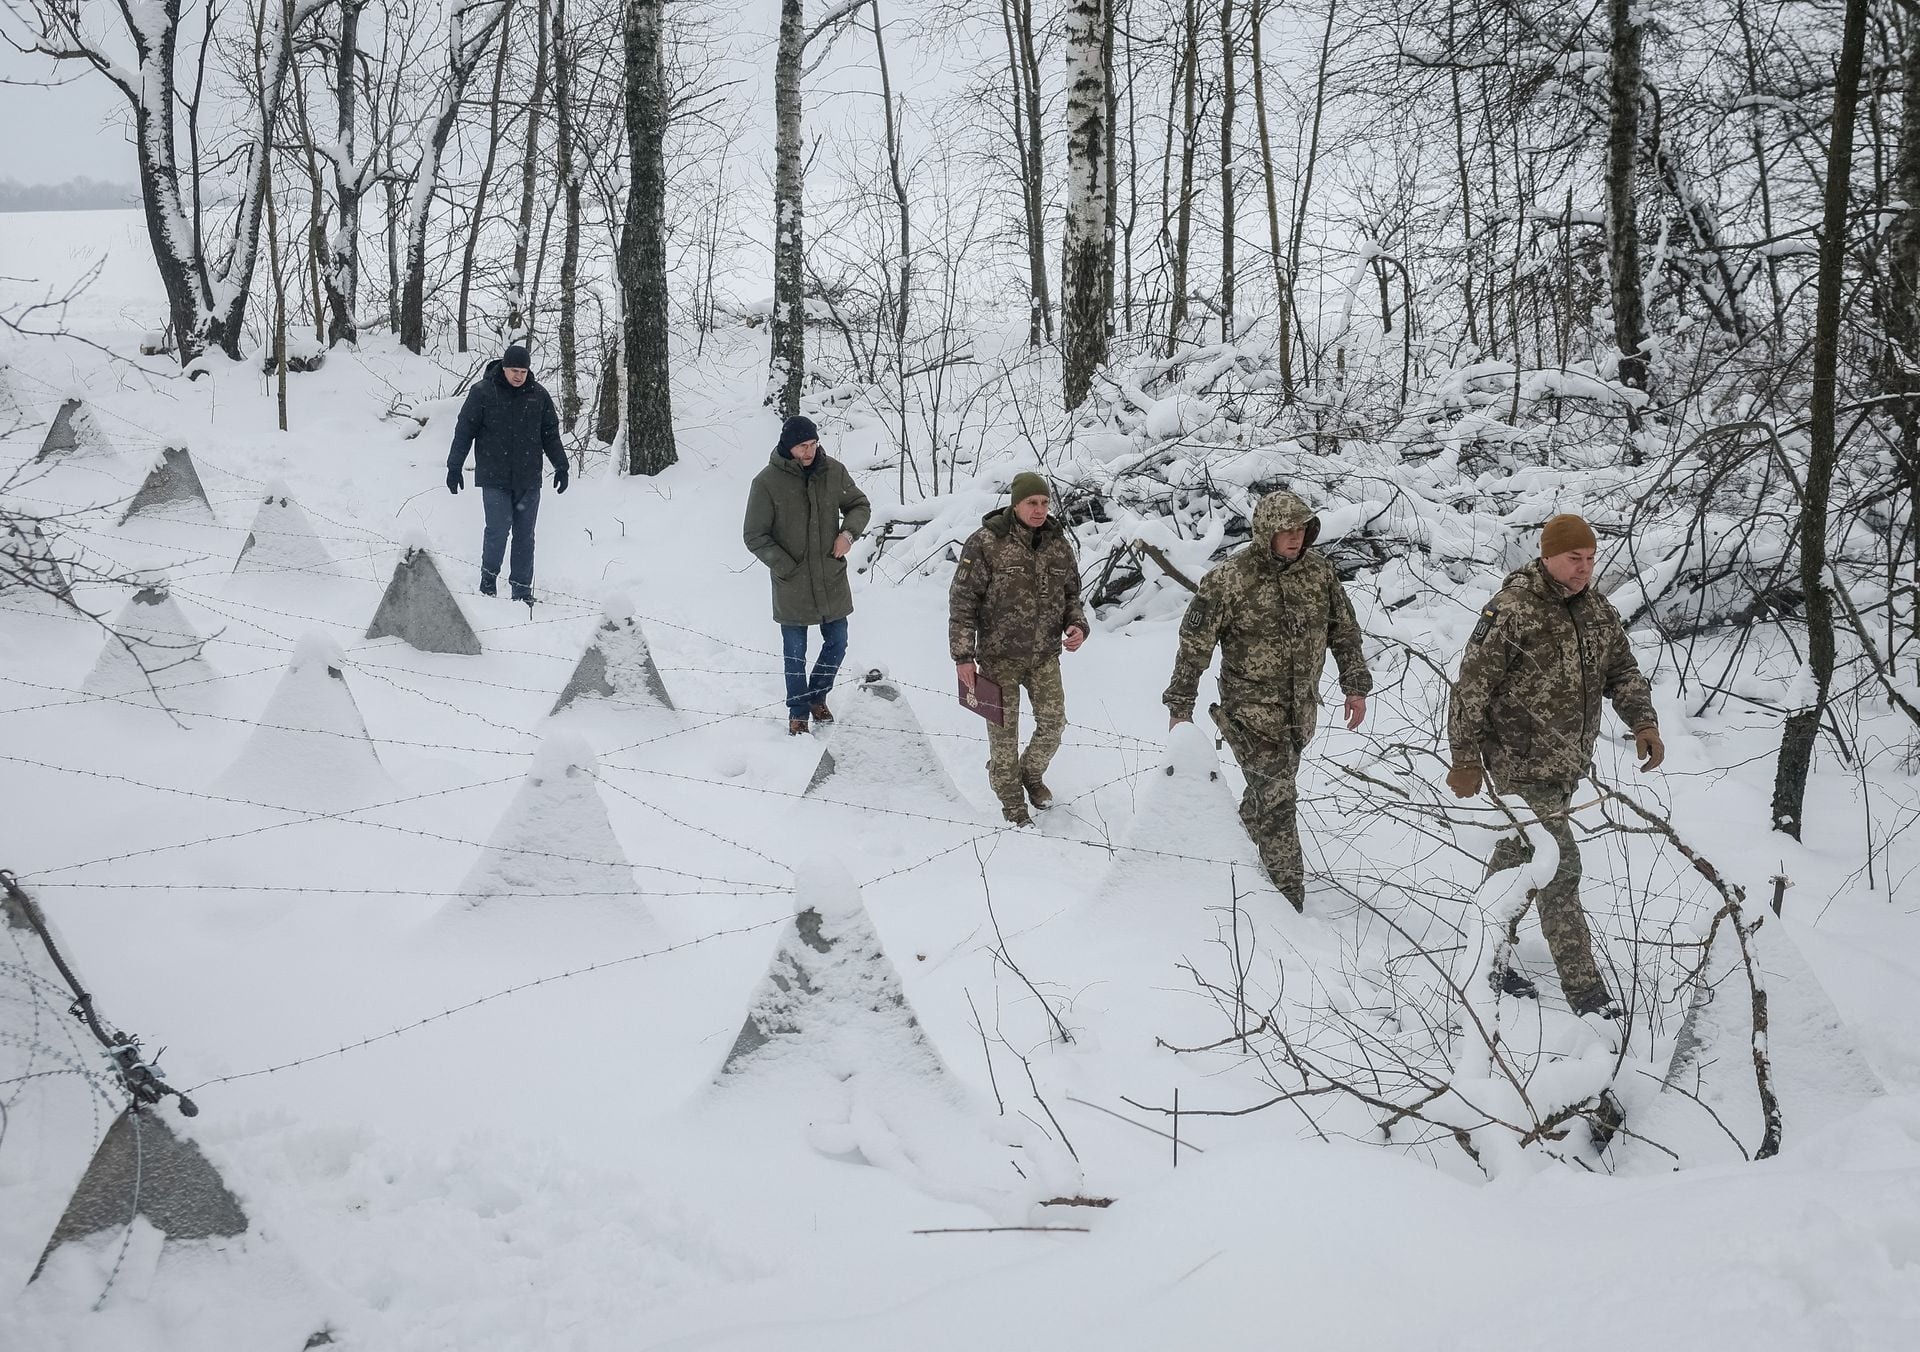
<point>560,481</point>
<point>454,480</point>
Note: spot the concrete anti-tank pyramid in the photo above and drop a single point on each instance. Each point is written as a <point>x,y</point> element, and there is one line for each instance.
<point>152,645</point>
<point>877,752</point>
<point>617,665</point>
<point>831,999</point>
<point>281,538</point>
<point>831,1047</point>
<point>143,1168</point>
<point>1819,1073</point>
<point>31,577</point>
<point>310,749</point>
<point>554,838</point>
<point>172,489</point>
<point>418,607</point>
<point>73,432</point>
<point>1185,846</point>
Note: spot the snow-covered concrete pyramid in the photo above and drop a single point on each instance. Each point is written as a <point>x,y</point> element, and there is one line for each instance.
<point>617,665</point>
<point>172,489</point>
<point>73,432</point>
<point>877,753</point>
<point>143,1168</point>
<point>311,748</point>
<point>831,1045</point>
<point>1185,847</point>
<point>152,645</point>
<point>554,839</point>
<point>831,1000</point>
<point>418,607</point>
<point>31,577</point>
<point>281,538</point>
<point>1819,1073</point>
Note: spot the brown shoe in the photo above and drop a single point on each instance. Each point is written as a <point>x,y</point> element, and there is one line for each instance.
<point>796,727</point>
<point>821,713</point>
<point>1037,792</point>
<point>1019,816</point>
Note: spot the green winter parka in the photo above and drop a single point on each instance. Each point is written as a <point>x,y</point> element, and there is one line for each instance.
<point>793,515</point>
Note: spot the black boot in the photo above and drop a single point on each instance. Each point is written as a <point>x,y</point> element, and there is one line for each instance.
<point>1510,980</point>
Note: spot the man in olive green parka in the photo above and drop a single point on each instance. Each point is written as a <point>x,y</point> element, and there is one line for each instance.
<point>803,514</point>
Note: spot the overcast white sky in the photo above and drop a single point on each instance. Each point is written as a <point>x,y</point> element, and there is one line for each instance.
<point>73,131</point>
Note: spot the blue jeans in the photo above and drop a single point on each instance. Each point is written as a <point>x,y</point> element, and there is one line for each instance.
<point>508,514</point>
<point>804,691</point>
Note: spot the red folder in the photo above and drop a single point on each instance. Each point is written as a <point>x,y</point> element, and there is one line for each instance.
<point>984,699</point>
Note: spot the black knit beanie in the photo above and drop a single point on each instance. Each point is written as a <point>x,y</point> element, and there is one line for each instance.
<point>794,431</point>
<point>516,358</point>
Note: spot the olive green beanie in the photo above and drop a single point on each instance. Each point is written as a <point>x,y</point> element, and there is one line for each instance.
<point>1030,484</point>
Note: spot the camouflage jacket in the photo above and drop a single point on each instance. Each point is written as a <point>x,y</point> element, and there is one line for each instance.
<point>1274,620</point>
<point>1014,592</point>
<point>1527,703</point>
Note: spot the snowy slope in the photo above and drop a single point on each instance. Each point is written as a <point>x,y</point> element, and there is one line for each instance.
<point>556,1168</point>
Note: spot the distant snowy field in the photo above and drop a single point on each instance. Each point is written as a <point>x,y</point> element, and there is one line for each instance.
<point>568,1167</point>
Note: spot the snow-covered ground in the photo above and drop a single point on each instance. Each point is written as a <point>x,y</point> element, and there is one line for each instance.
<point>568,1166</point>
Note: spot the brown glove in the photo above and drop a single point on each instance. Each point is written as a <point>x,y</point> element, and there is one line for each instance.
<point>1465,780</point>
<point>1648,746</point>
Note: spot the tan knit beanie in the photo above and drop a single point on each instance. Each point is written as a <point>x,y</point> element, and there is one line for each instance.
<point>1565,533</point>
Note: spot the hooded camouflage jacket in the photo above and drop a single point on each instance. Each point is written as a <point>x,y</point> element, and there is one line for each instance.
<point>1274,620</point>
<point>1527,704</point>
<point>1014,593</point>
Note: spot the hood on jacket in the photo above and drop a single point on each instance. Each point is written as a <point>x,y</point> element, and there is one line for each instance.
<point>1534,574</point>
<point>783,459</point>
<point>497,372</point>
<point>1281,510</point>
<point>1001,522</point>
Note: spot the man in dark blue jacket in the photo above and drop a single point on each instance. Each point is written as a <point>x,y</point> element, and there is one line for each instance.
<point>508,421</point>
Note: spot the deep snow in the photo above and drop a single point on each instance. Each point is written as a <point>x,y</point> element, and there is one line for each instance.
<point>558,1168</point>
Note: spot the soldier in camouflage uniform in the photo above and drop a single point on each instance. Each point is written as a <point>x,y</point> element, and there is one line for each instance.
<point>1013,605</point>
<point>1526,710</point>
<point>1274,609</point>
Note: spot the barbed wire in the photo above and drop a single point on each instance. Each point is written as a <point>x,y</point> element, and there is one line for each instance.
<point>449,1012</point>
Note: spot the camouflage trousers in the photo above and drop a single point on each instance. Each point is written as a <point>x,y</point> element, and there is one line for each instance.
<point>1561,918</point>
<point>1268,808</point>
<point>1007,766</point>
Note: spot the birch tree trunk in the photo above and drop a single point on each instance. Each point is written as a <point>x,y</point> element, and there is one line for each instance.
<point>1281,290</point>
<point>1183,208</point>
<point>788,368</point>
<point>1226,170</point>
<point>342,273</point>
<point>563,69</point>
<point>471,27</point>
<point>643,244</point>
<point>207,306</point>
<point>1623,219</point>
<point>1802,728</point>
<point>1083,251</point>
<point>518,320</point>
<point>479,220</point>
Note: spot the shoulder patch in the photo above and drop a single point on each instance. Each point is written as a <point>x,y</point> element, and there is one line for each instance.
<point>1199,614</point>
<point>1482,629</point>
